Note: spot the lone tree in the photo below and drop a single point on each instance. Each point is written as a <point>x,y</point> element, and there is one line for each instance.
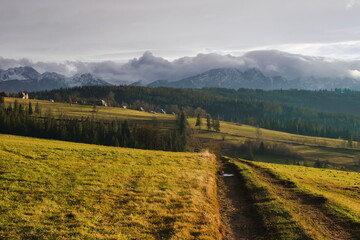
<point>198,121</point>
<point>208,122</point>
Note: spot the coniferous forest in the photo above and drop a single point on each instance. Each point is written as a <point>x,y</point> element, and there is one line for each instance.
<point>27,121</point>
<point>253,107</point>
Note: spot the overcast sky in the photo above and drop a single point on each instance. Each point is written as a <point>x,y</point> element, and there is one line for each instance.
<point>117,30</point>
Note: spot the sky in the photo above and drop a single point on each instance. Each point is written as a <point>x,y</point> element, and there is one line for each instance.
<point>119,30</point>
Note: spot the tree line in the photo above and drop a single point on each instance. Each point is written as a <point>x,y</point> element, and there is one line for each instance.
<point>29,121</point>
<point>228,105</point>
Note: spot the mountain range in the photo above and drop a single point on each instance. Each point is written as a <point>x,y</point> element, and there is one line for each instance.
<point>28,79</point>
<point>268,69</point>
<point>255,79</point>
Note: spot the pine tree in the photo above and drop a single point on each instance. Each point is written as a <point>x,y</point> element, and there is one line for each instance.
<point>182,123</point>
<point>94,108</point>
<point>208,122</point>
<point>30,109</point>
<point>37,109</point>
<point>126,134</point>
<point>21,108</point>
<point>217,125</point>
<point>198,121</point>
<point>16,106</point>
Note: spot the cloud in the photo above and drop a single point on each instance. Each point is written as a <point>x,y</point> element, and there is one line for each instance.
<point>148,67</point>
<point>65,68</point>
<point>352,3</point>
<point>292,66</point>
<point>355,73</point>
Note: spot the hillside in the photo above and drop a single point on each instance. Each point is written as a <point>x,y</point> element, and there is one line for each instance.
<point>53,189</point>
<point>265,114</point>
<point>161,195</point>
<point>230,140</point>
<point>336,101</point>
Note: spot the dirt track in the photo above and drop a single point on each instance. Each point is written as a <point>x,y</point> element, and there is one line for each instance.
<point>235,209</point>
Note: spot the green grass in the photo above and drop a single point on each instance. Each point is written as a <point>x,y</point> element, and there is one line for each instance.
<point>102,113</point>
<point>62,190</point>
<point>323,203</point>
<point>275,220</point>
<point>311,149</point>
<point>335,151</point>
<point>342,188</point>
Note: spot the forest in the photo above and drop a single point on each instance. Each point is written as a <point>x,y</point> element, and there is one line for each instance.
<point>253,107</point>
<point>28,120</point>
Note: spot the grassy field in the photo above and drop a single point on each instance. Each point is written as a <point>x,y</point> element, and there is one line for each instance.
<point>311,149</point>
<point>295,202</point>
<point>62,190</point>
<point>104,113</point>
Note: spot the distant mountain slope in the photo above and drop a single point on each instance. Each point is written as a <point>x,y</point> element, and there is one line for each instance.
<point>226,78</point>
<point>254,78</point>
<point>28,79</point>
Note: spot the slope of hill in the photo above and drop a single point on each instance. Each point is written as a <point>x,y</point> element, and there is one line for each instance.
<point>336,153</point>
<point>263,113</point>
<point>337,101</point>
<point>72,189</point>
<point>54,189</point>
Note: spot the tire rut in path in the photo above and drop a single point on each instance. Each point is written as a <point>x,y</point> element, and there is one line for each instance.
<point>234,208</point>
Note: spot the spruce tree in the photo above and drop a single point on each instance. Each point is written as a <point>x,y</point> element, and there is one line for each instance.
<point>217,125</point>
<point>30,109</point>
<point>208,122</point>
<point>198,121</point>
<point>16,106</point>
<point>182,123</point>
<point>125,134</point>
<point>37,109</point>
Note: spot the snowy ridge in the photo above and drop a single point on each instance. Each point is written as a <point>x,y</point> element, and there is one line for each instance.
<point>28,79</point>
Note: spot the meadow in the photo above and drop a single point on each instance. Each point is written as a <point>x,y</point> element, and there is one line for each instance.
<point>296,202</point>
<point>341,154</point>
<point>310,149</point>
<point>66,110</point>
<point>62,190</point>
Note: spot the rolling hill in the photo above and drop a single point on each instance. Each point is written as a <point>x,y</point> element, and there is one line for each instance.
<point>56,189</point>
<point>53,189</point>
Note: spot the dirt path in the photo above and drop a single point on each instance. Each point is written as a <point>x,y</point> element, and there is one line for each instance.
<point>308,207</point>
<point>235,210</point>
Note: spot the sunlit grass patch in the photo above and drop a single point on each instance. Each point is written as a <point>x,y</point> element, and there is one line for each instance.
<point>54,189</point>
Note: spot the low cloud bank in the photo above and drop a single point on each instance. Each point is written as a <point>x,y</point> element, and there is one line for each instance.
<point>148,68</point>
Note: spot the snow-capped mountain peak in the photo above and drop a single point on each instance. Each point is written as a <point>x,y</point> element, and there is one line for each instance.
<point>28,79</point>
